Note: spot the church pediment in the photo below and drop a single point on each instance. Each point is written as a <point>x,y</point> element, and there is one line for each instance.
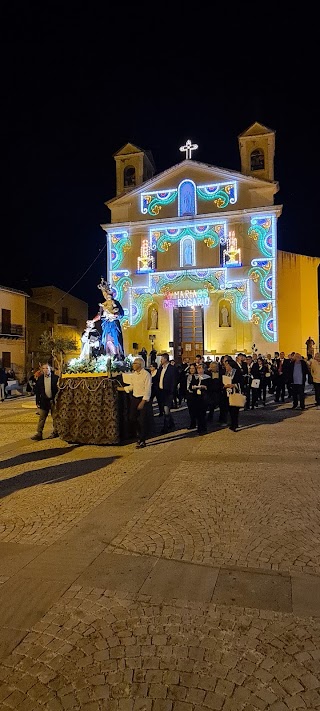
<point>200,174</point>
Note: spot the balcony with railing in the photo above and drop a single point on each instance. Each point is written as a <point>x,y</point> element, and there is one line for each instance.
<point>12,330</point>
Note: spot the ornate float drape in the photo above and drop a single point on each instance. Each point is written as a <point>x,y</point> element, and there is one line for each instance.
<point>90,410</point>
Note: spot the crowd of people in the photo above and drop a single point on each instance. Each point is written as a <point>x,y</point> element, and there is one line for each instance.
<point>224,385</point>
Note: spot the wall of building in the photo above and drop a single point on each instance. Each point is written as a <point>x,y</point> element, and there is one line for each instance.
<point>298,301</point>
<point>51,300</point>
<point>15,302</point>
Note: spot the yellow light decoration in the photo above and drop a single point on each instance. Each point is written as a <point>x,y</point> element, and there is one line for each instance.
<point>267,308</point>
<point>254,235</point>
<point>125,324</point>
<point>211,288</point>
<point>166,245</point>
<point>255,276</point>
<point>146,260</point>
<point>266,266</point>
<point>209,242</point>
<point>255,319</point>
<point>232,252</point>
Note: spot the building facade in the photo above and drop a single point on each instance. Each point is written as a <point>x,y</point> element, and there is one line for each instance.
<point>51,309</point>
<point>13,314</point>
<point>193,258</point>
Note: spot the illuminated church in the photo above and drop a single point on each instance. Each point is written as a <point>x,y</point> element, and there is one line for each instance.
<point>193,258</point>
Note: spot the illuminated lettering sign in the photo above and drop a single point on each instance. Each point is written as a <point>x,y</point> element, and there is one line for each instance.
<point>188,297</point>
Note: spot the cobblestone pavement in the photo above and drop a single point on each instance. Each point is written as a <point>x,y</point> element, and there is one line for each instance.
<point>181,577</point>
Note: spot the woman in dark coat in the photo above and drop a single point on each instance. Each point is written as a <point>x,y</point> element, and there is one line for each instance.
<point>236,385</point>
<point>191,381</point>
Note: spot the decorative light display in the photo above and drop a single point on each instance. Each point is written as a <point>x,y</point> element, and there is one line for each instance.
<point>209,233</point>
<point>253,295</point>
<point>222,194</point>
<point>188,148</point>
<point>161,282</point>
<point>152,203</point>
<point>263,274</point>
<point>120,282</point>
<point>240,289</point>
<point>119,243</point>
<point>146,260</point>
<point>187,297</point>
<point>261,232</point>
<point>232,254</point>
<point>140,301</point>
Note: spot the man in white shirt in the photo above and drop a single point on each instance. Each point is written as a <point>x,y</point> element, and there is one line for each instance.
<point>140,387</point>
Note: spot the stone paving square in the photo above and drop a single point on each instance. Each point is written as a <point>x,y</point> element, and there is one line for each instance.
<point>181,577</point>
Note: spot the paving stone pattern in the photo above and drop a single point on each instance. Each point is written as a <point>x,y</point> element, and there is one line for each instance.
<point>181,577</point>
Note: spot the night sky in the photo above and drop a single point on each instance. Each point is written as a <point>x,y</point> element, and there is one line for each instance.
<point>77,84</point>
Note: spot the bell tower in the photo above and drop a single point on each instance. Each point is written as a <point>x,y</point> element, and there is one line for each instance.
<point>257,146</point>
<point>133,167</point>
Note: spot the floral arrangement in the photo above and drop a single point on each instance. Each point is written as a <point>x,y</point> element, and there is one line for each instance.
<point>102,364</point>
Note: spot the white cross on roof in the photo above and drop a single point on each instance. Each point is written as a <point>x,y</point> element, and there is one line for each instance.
<point>188,148</point>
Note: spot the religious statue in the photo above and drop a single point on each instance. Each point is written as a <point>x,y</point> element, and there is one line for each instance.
<point>187,253</point>
<point>224,316</point>
<point>109,315</point>
<point>310,347</point>
<point>90,340</point>
<point>154,319</point>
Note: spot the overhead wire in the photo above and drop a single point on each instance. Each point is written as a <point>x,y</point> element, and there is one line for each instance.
<point>82,275</point>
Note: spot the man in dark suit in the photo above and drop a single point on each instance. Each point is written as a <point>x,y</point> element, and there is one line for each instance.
<point>166,384</point>
<point>298,373</point>
<point>46,389</point>
<point>282,366</point>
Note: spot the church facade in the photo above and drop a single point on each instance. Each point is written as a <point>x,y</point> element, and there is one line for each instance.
<point>193,257</point>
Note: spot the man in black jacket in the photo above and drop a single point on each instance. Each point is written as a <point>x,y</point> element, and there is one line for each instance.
<point>166,384</point>
<point>45,391</point>
<point>282,367</point>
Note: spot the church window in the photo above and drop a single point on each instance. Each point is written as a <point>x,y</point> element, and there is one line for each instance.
<point>129,176</point>
<point>257,160</point>
<point>187,198</point>
<point>187,252</point>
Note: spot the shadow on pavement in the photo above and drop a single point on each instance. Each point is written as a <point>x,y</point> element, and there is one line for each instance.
<point>53,475</point>
<point>35,456</point>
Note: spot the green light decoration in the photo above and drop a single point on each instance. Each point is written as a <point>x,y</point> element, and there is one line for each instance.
<point>257,274</point>
<point>211,281</point>
<point>261,318</point>
<point>119,244</point>
<point>161,282</point>
<point>140,302</point>
<point>260,232</point>
<point>210,234</point>
<point>152,203</point>
<point>120,284</point>
<point>167,281</point>
<point>220,195</point>
<point>239,297</point>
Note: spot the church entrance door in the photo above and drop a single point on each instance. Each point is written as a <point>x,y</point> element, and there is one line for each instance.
<point>188,332</point>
